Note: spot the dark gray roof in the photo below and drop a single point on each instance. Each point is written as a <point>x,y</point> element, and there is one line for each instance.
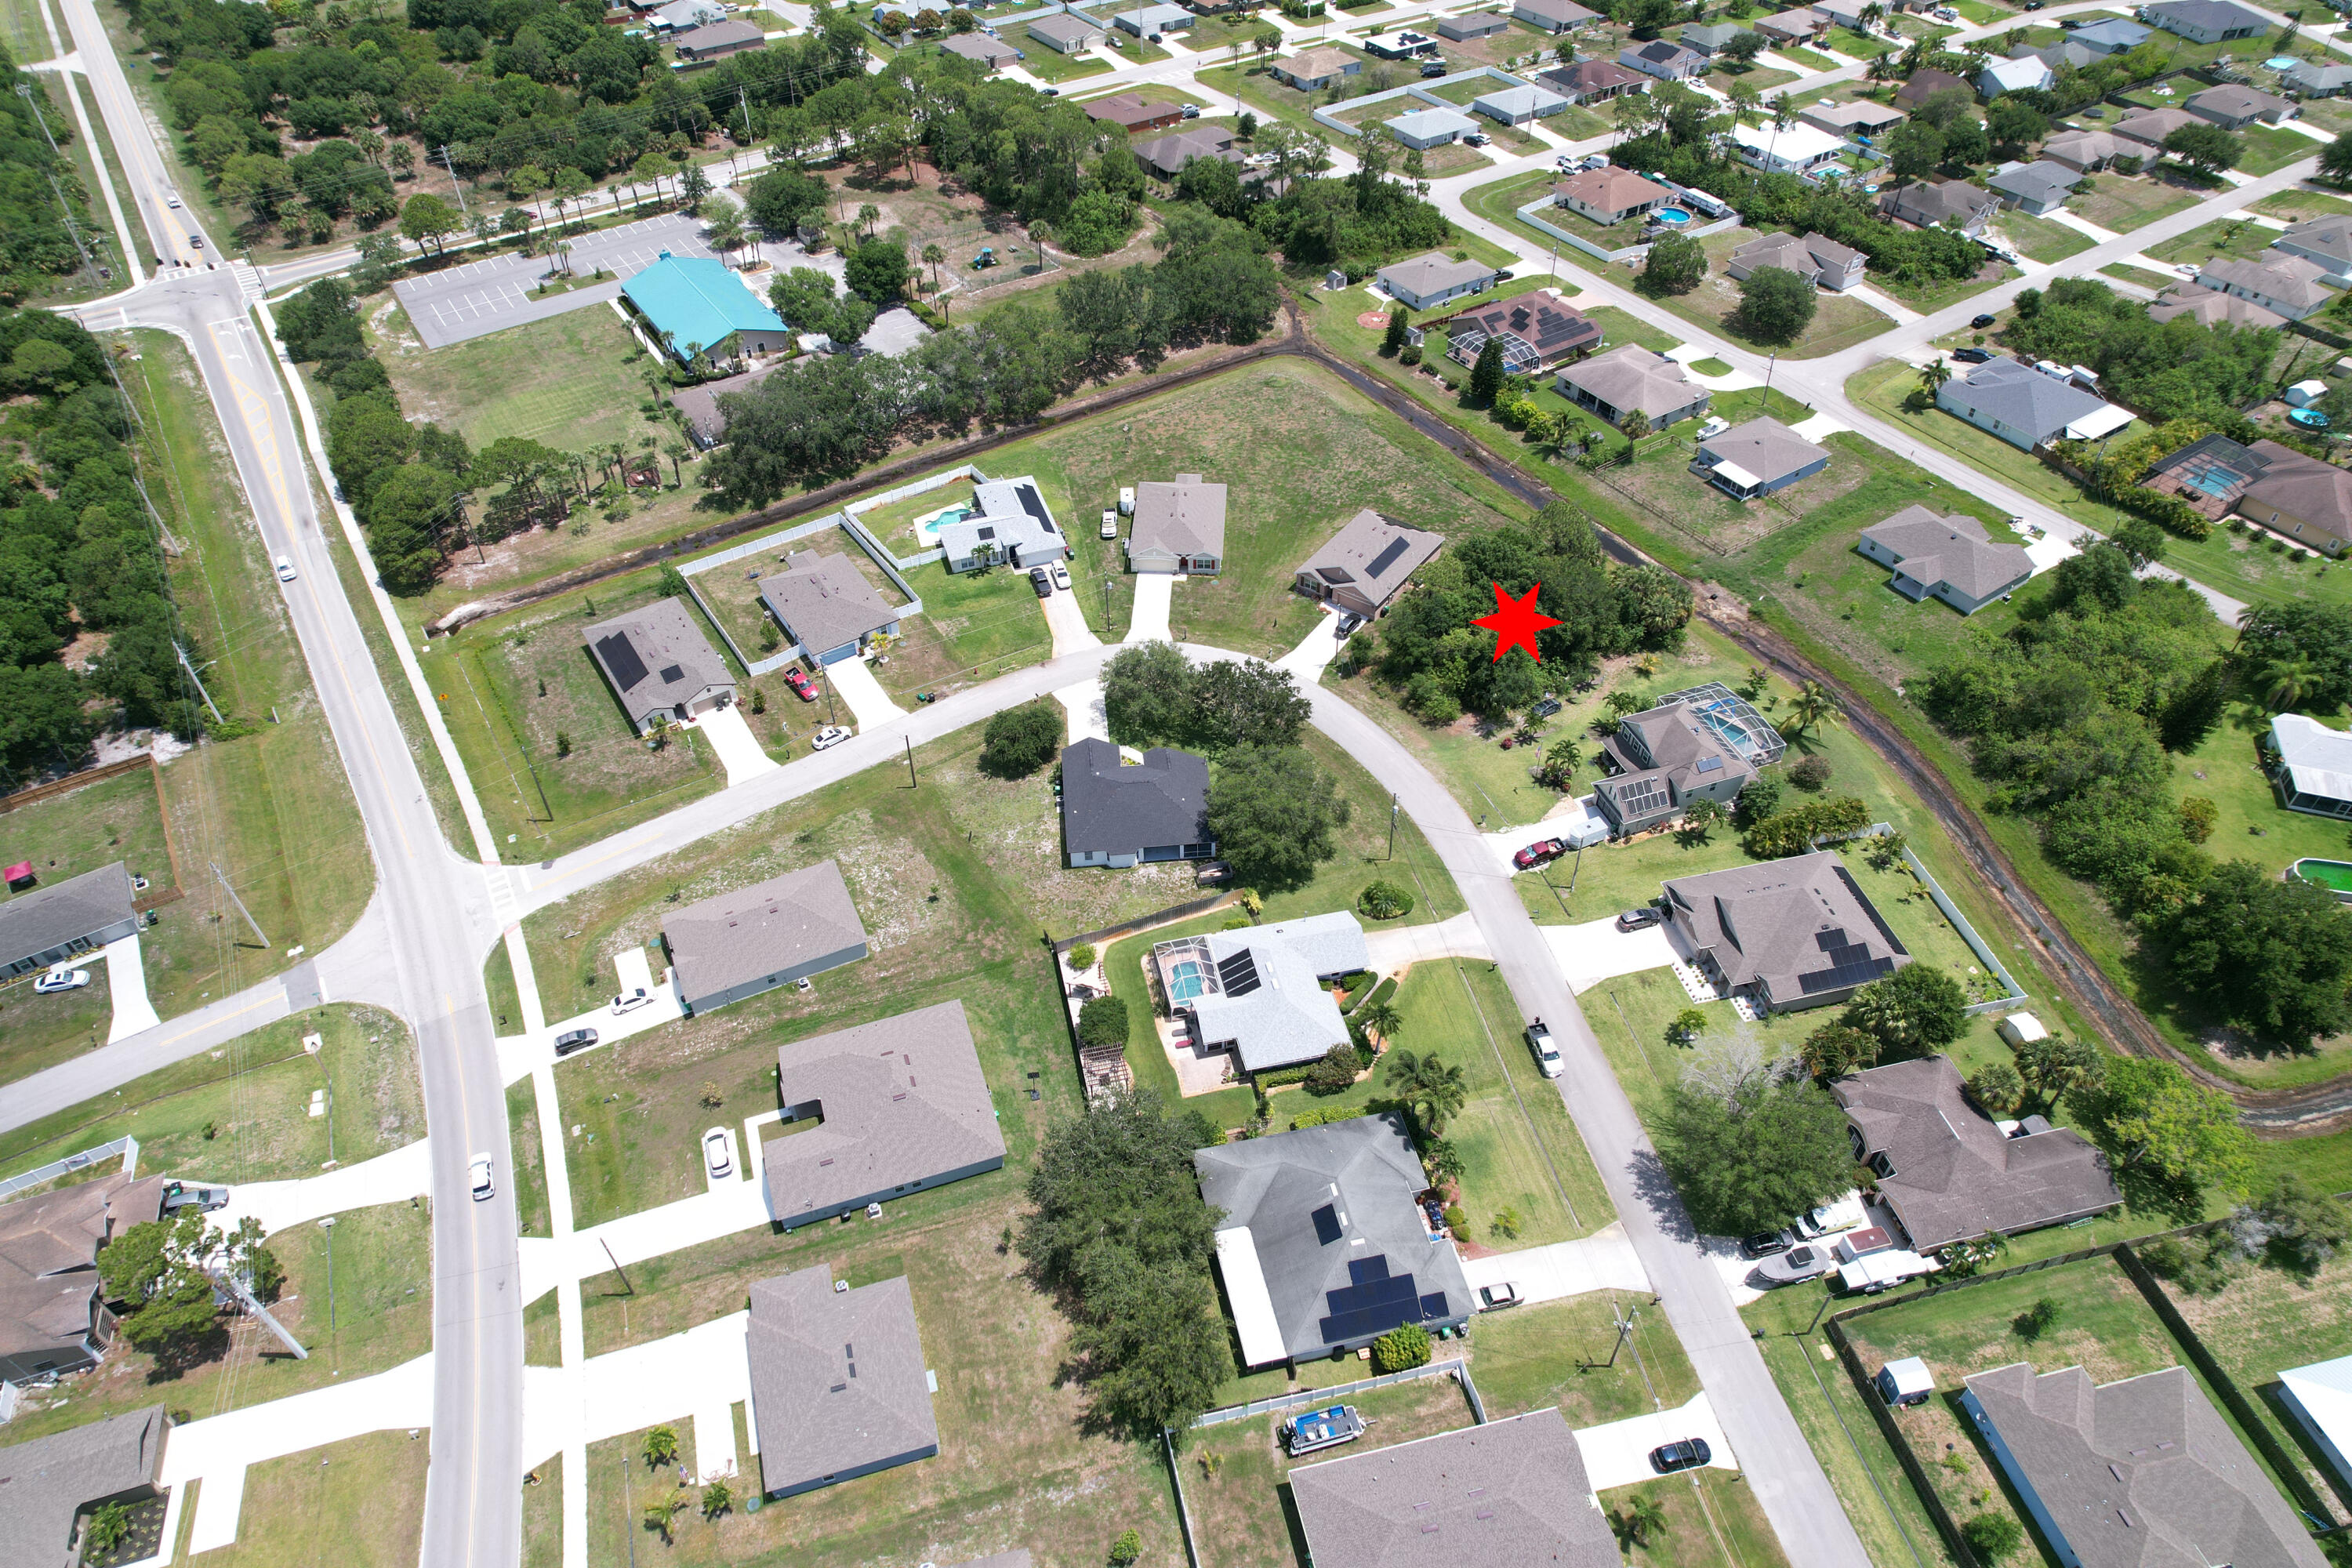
<point>2037,182</point>
<point>64,913</point>
<point>2212,16</point>
<point>1512,1491</point>
<point>1956,1176</point>
<point>837,1377</point>
<point>1373,555</point>
<point>1799,927</point>
<point>979,46</point>
<point>2142,1473</point>
<point>1167,155</point>
<point>718,36</point>
<point>1922,85</point>
<point>1330,1222</point>
<point>1065,27</point>
<point>903,1100</point>
<point>655,658</point>
<point>46,1482</point>
<point>1675,744</point>
<point>49,1251</point>
<point>1109,808</point>
<point>2330,236</point>
<point>824,601</point>
<point>701,404</point>
<point>730,938</point>
<point>1937,202</point>
<point>1954,550</point>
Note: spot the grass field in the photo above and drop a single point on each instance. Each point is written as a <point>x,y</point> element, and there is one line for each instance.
<point>2139,275</point>
<point>359,1502</point>
<point>542,1516</point>
<point>595,377</point>
<point>2124,202</point>
<point>22,32</point>
<point>2039,238</point>
<point>528,1168</point>
<point>1838,322</point>
<point>2265,1321</point>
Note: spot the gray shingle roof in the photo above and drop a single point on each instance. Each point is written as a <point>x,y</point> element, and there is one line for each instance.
<point>2041,182</point>
<point>2152,126</point>
<point>2021,397</point>
<point>903,1099</point>
<point>2302,487</point>
<point>1167,155</point>
<point>2330,236</point>
<point>837,1377</point>
<point>1922,85</point>
<point>64,913</point>
<point>1672,742</point>
<point>979,46</point>
<point>2289,279</point>
<point>2235,100</point>
<point>45,1483</point>
<point>1432,273</point>
<point>1590,76</point>
<point>1954,550</point>
<point>2210,307</point>
<point>718,36</point>
<point>48,1248</point>
<point>1956,1175</point>
<point>1108,808</point>
<point>655,658</point>
<point>2142,1473</point>
<point>1799,927</point>
<point>824,602</point>
<point>767,928</point>
<point>1631,376</point>
<point>2213,15</point>
<point>1764,446</point>
<point>1511,1491</point>
<point>1063,27</point>
<point>1186,517</point>
<point>1271,1006</point>
<point>1372,555</point>
<point>1944,202</point>
<point>1318,1207</point>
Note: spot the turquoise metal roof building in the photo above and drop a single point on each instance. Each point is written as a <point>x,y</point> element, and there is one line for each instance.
<point>699,302</point>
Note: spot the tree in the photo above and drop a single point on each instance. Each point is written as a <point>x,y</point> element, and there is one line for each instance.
<point>1487,374</point>
<point>717,1499</point>
<point>1835,1049</point>
<point>1933,375</point>
<point>693,185</point>
<point>1997,1088</point>
<point>1775,305</point>
<point>1748,1162</point>
<point>155,1270</point>
<point>1643,1516</point>
<point>1020,741</point>
<point>1335,1071</point>
<point>1400,323</point>
<point>878,271</point>
<point>2196,710</point>
<point>1745,46</point>
<point>1677,265</point>
<point>2208,149</point>
<point>1275,815</point>
<point>1127,1548</point>
<point>1244,703</point>
<point>1103,1022</point>
<point>722,223</point>
<point>1431,1090</point>
<point>1993,1536</point>
<point>663,1516</point>
<point>2150,1115</point>
<point>779,201</point>
<point>407,516</point>
<point>2275,957</point>
<point>2054,1067</point>
<point>2335,161</point>
<point>1915,149</point>
<point>2292,1226</point>
<point>1688,1026</point>
<point>661,1447</point>
<point>2141,541</point>
<point>1403,1348</point>
<point>1147,694</point>
<point>1814,704</point>
<point>1917,1008</point>
<point>1966,142</point>
<point>1379,1019</point>
<point>1635,427</point>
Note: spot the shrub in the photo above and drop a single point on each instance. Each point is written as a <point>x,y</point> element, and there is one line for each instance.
<point>2039,1318</point>
<point>1810,774</point>
<point>1993,1536</point>
<point>1324,1115</point>
<point>1020,741</point>
<point>1103,1022</point>
<point>1082,956</point>
<point>1426,698</point>
<point>1384,901</point>
<point>1126,1549</point>
<point>1792,832</point>
<point>1506,1223</point>
<point>1401,1349</point>
<point>1333,1073</point>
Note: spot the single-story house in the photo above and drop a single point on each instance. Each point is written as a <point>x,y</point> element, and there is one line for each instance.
<point>1951,1172</point>
<point>1259,992</point>
<point>2024,408</point>
<point>1407,45</point>
<point>1537,330</point>
<point>1710,38</point>
<point>53,1311</point>
<point>660,666</point>
<point>2212,472</point>
<point>1167,155</point>
<point>1632,379</point>
<point>2314,78</point>
<point>49,1484</point>
<point>1796,26</point>
<point>1516,1490</point>
<point>2084,151</point>
<point>1790,152</point>
<point>2300,498</point>
<point>1116,815</point>
<point>1519,105</point>
<point>1610,195</point>
<point>1925,83</point>
<point>1664,58</point>
<point>1009,525</point>
<point>2143,1470</point>
<point>1756,458</point>
<point>2037,188</point>
<point>1131,113</point>
<point>1311,70</point>
<point>1553,16</point>
<point>1179,526</point>
<point>732,945</point>
<point>1834,267</point>
<point>694,302</point>
<point>2233,105</point>
<point>1661,758</point>
<point>1066,32</point>
<point>2058,55</point>
<point>1426,128</point>
<point>1594,81</point>
<point>2112,36</point>
<point>49,925</point>
<point>1950,558</point>
<point>901,1106</point>
<point>2319,1397</point>
<point>825,605</point>
<point>2286,284</point>
<point>719,40</point>
<point>2028,72</point>
<point>839,1386</point>
<point>1858,118</point>
<point>2325,241</point>
<point>1366,563</point>
<point>1471,25</point>
<point>1791,934</point>
<point>706,424</point>
<point>1433,277</point>
<point>1955,204</point>
<point>2204,21</point>
<point>989,50</point>
<point>685,16</point>
<point>1322,1246</point>
<point>2313,772</point>
<point>1148,22</point>
<point>2151,126</point>
<point>1845,14</point>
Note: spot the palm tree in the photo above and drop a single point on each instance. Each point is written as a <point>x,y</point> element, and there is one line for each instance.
<point>1040,232</point>
<point>1745,102</point>
<point>1932,377</point>
<point>1431,1089</point>
<point>1382,1019</point>
<point>661,1447</point>
<point>868,214</point>
<point>932,257</point>
<point>1814,704</point>
<point>1641,1517</point>
<point>2287,684</point>
<point>676,452</point>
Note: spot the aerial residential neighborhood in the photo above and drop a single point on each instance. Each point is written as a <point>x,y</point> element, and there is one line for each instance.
<point>1205,785</point>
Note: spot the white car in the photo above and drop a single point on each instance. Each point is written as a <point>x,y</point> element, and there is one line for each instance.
<point>61,979</point>
<point>629,1001</point>
<point>484,1187</point>
<point>1061,575</point>
<point>171,201</point>
<point>2187,268</point>
<point>286,569</point>
<point>717,1154</point>
<point>1547,1054</point>
<point>831,735</point>
<point>1110,526</point>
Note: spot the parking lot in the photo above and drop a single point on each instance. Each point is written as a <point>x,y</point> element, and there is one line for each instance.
<point>484,297</point>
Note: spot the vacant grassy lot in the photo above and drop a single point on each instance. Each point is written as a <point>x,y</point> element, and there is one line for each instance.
<point>1838,322</point>
<point>2266,1321</point>
<point>2232,240</point>
<point>2039,238</point>
<point>542,1516</point>
<point>2270,148</point>
<point>359,1502</point>
<point>2124,202</point>
<point>1014,1465</point>
<point>2243,566</point>
<point>588,374</point>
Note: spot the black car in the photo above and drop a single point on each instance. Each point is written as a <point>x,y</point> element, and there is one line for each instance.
<point>1433,67</point>
<point>574,1040</point>
<point>1691,1452</point>
<point>1982,322</point>
<point>1545,709</point>
<point>1764,1244</point>
<point>1042,581</point>
<point>1972,356</point>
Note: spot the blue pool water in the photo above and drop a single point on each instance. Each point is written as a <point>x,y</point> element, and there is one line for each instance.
<point>2309,418</point>
<point>1184,982</point>
<point>1671,214</point>
<point>2280,62</point>
<point>2213,483</point>
<point>927,528</point>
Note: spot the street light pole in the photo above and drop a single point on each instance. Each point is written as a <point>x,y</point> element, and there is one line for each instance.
<point>1392,816</point>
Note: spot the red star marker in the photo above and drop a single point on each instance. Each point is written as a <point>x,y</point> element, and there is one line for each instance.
<point>1516,622</point>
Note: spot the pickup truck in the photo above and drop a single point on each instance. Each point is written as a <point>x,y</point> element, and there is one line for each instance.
<point>1876,1271</point>
<point>1547,1054</point>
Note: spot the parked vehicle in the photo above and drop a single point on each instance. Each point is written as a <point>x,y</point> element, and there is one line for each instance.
<point>1972,356</point>
<point>1126,492</point>
<point>1636,919</point>
<point>1883,1271</point>
<point>717,1154</point>
<point>1545,709</point>
<point>1687,1454</point>
<point>1325,1428</point>
<point>1110,526</point>
<point>572,1040</point>
<point>1476,139</point>
<point>1061,575</point>
<point>1794,1267</point>
<point>1433,67</point>
<point>1832,1219</point>
<point>1541,852</point>
<point>1547,1054</point>
<point>178,1195</point>
<point>830,736</point>
<point>1764,1244</point>
<point>1348,624</point>
<point>286,569</point>
<point>60,978</point>
<point>1982,322</point>
<point>484,1188</point>
<point>803,687</point>
<point>1494,1298</point>
<point>1191,111</point>
<point>629,1001</point>
<point>1042,581</point>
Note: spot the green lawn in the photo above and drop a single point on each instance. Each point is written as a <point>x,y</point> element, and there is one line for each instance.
<point>1809,57</point>
<point>2233,240</point>
<point>365,1495</point>
<point>527,1162</point>
<point>2124,202</point>
<point>2270,148</point>
<point>974,625</point>
<point>1623,327</point>
<point>2243,566</point>
<point>542,1514</point>
<point>2139,275</point>
<point>1839,321</point>
<point>588,375</point>
<point>2267,1320</point>
<point>1050,65</point>
<point>2041,238</point>
<point>2299,205</point>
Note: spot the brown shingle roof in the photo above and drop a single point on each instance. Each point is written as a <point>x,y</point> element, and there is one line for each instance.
<point>48,1249</point>
<point>1799,927</point>
<point>1612,189</point>
<point>838,1381</point>
<point>1371,557</point>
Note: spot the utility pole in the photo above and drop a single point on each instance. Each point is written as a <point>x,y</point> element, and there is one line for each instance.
<point>235,1286</point>
<point>456,189</point>
<point>1625,1327</point>
<point>623,1273</point>
<point>25,91</point>
<point>200,685</point>
<point>1392,816</point>
<point>910,763</point>
<point>240,905</point>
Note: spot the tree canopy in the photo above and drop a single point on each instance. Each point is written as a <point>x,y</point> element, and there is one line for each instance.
<point>1755,1160</point>
<point>1275,815</point>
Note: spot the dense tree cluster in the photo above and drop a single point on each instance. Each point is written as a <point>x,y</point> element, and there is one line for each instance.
<point>1754,1155</point>
<point>33,241</point>
<point>2168,370</point>
<point>78,555</point>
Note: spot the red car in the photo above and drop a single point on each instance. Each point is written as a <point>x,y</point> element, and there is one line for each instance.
<point>803,687</point>
<point>1536,854</point>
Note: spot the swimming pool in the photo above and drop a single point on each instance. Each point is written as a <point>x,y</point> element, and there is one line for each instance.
<point>927,528</point>
<point>2309,418</point>
<point>2335,876</point>
<point>1187,981</point>
<point>1675,215</point>
<point>2280,62</point>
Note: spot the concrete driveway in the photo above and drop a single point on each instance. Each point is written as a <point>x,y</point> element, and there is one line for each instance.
<point>729,734</point>
<point>1597,951</point>
<point>518,1053</point>
<point>126,989</point>
<point>1315,651</point>
<point>861,693</point>
<point>1067,622</point>
<point>1154,591</point>
<point>1601,1261</point>
<point>405,1172</point>
<point>1618,1453</point>
<point>1393,947</point>
<point>1084,703</point>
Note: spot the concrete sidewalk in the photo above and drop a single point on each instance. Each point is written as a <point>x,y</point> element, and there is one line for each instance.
<point>405,1172</point>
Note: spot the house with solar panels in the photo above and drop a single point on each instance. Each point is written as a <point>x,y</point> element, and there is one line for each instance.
<point>1366,563</point>
<point>1785,934</point>
<point>1322,1246</point>
<point>1260,992</point>
<point>1008,524</point>
<point>1537,330</point>
<point>660,666</point>
<point>1704,743</point>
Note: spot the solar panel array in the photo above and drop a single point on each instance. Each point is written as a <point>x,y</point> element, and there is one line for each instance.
<point>1850,964</point>
<point>1374,1302</point>
<point>1710,764</point>
<point>672,673</point>
<point>1387,558</point>
<point>1237,974</point>
<point>622,659</point>
<point>1326,1224</point>
<point>1641,797</point>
